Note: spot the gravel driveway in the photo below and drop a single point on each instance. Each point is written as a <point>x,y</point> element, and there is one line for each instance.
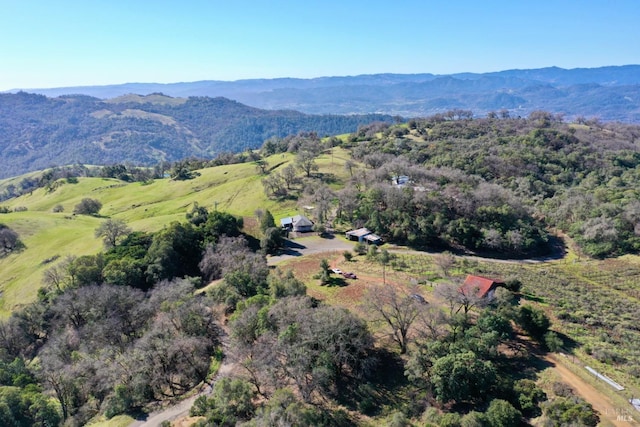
<point>311,244</point>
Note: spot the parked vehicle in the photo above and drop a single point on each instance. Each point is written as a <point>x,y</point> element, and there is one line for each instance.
<point>419,298</point>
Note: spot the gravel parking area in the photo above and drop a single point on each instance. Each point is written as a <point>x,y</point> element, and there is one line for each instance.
<point>311,244</point>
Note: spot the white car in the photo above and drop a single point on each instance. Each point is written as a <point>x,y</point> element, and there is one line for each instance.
<point>336,270</point>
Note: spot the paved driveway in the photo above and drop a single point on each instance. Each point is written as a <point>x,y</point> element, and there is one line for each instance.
<point>311,244</point>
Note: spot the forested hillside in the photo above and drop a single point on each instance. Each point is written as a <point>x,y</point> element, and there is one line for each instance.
<point>37,132</point>
<point>475,181</point>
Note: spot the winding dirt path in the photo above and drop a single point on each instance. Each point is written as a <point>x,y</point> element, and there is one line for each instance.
<point>181,409</point>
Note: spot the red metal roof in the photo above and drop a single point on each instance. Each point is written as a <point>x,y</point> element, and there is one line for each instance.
<point>478,285</point>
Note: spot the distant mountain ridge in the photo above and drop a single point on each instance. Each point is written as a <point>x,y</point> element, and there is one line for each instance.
<point>37,132</point>
<point>608,93</point>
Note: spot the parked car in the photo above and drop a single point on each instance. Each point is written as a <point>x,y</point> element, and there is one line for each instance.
<point>419,298</point>
<point>336,270</point>
<point>349,275</point>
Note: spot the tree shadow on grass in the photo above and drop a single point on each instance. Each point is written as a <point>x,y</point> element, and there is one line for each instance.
<point>386,383</point>
<point>327,177</point>
<point>568,344</point>
<point>336,281</point>
<point>531,297</point>
<point>252,242</point>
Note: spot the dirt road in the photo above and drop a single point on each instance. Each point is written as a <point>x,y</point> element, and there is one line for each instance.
<point>610,413</point>
<point>181,409</point>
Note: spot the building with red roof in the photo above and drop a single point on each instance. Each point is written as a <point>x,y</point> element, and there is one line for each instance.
<point>478,286</point>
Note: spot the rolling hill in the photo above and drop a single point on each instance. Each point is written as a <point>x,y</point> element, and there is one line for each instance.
<point>609,93</point>
<point>37,132</point>
<point>50,236</point>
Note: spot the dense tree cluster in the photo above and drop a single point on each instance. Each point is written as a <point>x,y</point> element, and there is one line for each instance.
<point>141,259</point>
<point>448,209</point>
<point>296,343</point>
<point>459,359</point>
<point>109,348</point>
<point>482,181</point>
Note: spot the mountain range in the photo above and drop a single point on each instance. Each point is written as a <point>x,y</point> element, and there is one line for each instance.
<point>37,132</point>
<point>607,93</point>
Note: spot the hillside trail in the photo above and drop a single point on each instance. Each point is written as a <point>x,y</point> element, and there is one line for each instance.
<point>181,409</point>
<point>608,410</point>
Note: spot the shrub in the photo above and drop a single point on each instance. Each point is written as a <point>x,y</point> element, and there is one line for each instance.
<point>272,240</point>
<point>58,208</point>
<point>529,397</point>
<point>397,419</point>
<point>570,411</point>
<point>9,241</point>
<point>552,341</point>
<point>360,248</point>
<point>561,389</point>
<point>87,206</point>
<point>514,285</point>
<point>372,253</point>
<point>450,419</point>
<point>119,403</point>
<point>348,256</point>
<point>502,414</point>
<point>534,321</point>
<point>473,419</point>
<point>324,272</point>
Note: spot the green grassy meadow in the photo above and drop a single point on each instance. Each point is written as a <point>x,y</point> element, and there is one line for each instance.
<point>236,189</point>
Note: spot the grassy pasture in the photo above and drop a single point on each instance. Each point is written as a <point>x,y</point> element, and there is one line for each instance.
<point>45,236</point>
<point>48,235</point>
<point>143,206</point>
<point>117,421</point>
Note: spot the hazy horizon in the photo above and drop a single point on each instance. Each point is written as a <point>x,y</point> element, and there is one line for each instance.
<point>72,43</point>
<point>295,78</point>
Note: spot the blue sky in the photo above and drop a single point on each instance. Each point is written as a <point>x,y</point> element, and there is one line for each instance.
<point>46,43</point>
